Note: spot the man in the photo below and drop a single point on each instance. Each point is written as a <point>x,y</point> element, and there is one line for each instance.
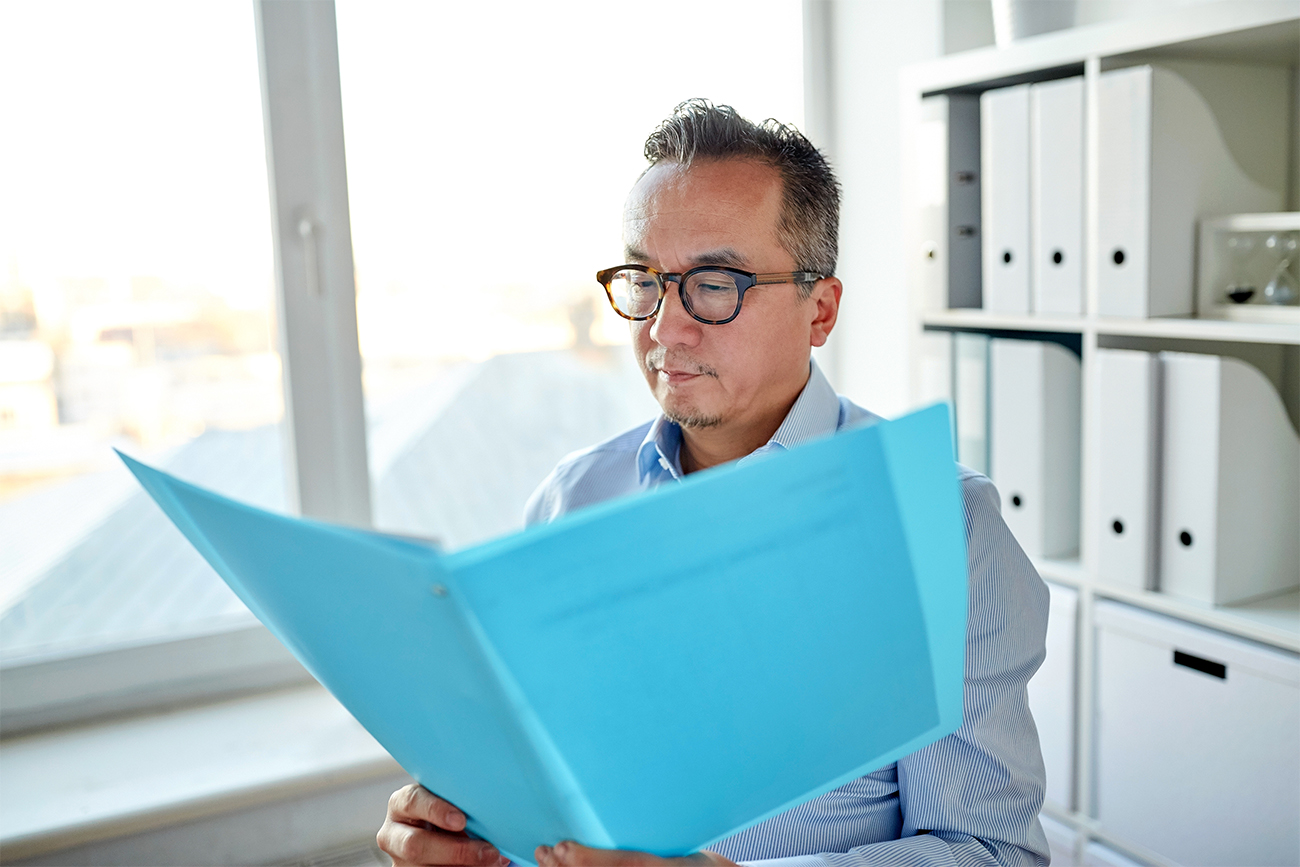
<point>731,239</point>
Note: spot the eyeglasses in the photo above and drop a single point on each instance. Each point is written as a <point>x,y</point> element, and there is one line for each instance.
<point>711,294</point>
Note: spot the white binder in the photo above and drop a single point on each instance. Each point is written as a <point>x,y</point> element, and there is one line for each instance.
<point>1004,157</point>
<point>1056,144</point>
<point>1034,433</point>
<point>947,188</point>
<point>1051,695</point>
<point>970,385</point>
<point>930,189</point>
<point>1164,159</point>
<point>1230,522</point>
<point>1128,420</point>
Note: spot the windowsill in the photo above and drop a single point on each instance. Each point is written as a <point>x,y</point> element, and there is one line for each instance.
<point>95,782</point>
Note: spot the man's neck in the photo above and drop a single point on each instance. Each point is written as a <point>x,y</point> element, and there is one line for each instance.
<point>702,448</point>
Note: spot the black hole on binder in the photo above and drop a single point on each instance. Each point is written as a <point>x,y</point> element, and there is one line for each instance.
<point>1206,666</point>
<point>965,231</point>
<point>1057,257</point>
<point>1118,527</point>
<point>1006,257</point>
<point>1118,256</point>
<point>1015,500</point>
<point>1186,538</point>
<point>965,177</point>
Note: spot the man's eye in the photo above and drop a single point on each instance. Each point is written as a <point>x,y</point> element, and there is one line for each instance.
<point>713,287</point>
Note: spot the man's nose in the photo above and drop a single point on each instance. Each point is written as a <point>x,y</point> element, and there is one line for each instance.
<point>673,326</point>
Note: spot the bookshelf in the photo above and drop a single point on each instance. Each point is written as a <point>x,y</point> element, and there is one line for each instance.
<point>1241,32</point>
<point>982,321</point>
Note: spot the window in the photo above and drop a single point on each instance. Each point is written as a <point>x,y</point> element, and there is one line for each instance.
<point>135,311</point>
<point>489,150</point>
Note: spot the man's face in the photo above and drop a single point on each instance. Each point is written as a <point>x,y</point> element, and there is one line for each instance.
<point>720,213</point>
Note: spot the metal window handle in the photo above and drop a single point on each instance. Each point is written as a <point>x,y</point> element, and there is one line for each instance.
<point>310,255</point>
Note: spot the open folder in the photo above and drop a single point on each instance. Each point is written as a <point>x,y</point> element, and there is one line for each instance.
<point>656,672</point>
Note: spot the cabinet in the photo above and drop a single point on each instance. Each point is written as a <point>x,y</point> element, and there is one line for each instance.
<point>1103,672</point>
<point>1196,754</point>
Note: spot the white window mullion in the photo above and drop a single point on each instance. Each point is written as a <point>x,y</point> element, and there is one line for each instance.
<point>324,418</point>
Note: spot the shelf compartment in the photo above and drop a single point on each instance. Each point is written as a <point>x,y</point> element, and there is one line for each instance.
<point>1067,572</point>
<point>1179,328</point>
<point>1274,621</point>
<point>1241,31</point>
<point>1201,329</point>
<point>1177,706</point>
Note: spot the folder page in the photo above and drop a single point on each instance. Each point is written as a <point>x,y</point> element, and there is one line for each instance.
<point>360,612</point>
<point>656,672</point>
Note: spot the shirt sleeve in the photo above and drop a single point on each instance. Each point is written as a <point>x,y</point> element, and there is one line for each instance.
<point>544,503</point>
<point>973,797</point>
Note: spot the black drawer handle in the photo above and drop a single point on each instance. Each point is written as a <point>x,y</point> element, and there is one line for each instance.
<point>1205,666</point>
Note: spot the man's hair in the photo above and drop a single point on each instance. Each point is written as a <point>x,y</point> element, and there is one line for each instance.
<point>809,224</point>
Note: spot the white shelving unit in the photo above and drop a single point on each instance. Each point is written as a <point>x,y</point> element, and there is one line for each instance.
<point>1285,334</point>
<point>1240,31</point>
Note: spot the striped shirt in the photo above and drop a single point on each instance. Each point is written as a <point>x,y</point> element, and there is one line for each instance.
<point>970,798</point>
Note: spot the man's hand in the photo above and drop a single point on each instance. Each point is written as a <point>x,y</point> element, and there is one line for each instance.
<point>570,854</point>
<point>422,829</point>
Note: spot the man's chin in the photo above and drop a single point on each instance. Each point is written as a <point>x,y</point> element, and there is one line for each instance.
<point>691,418</point>
<point>682,408</point>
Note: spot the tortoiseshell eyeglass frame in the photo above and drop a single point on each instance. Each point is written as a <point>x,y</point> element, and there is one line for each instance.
<point>745,280</point>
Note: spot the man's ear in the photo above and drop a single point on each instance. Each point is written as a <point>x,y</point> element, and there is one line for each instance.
<point>825,299</point>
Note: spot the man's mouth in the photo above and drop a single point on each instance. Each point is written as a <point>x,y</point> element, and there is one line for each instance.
<point>680,375</point>
<point>676,377</point>
<point>679,372</point>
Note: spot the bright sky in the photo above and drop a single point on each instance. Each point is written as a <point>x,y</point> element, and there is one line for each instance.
<point>489,144</point>
<point>133,143</point>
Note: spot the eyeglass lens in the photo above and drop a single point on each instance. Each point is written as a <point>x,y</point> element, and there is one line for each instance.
<point>709,295</point>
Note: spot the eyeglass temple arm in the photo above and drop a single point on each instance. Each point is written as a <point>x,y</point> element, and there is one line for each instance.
<point>789,277</point>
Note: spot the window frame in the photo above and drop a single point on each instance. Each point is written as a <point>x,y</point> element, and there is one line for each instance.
<point>324,431</point>
<point>46,690</point>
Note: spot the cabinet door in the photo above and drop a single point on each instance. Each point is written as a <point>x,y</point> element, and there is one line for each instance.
<point>1198,741</point>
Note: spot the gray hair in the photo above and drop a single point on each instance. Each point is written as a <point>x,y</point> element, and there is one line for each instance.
<point>809,224</point>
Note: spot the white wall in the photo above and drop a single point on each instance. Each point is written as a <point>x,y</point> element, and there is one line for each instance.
<point>870,40</point>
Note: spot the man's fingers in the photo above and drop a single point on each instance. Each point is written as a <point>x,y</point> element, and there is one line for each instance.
<point>416,803</point>
<point>570,854</point>
<point>407,844</point>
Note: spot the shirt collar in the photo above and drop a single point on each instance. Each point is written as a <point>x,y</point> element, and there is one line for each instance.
<point>815,413</point>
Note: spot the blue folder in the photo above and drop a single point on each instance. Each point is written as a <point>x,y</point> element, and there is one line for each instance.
<point>656,672</point>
